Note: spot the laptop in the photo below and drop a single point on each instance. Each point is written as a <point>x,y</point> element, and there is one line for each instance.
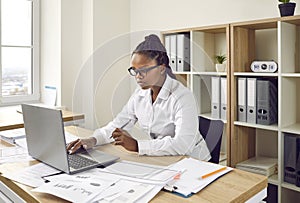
<point>46,142</point>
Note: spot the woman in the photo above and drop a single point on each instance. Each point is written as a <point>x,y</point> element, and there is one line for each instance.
<point>163,108</point>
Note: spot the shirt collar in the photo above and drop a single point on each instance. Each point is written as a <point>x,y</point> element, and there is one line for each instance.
<point>165,91</point>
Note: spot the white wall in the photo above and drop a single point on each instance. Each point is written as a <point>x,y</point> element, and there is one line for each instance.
<point>86,44</point>
<point>77,47</point>
<point>73,32</point>
<point>111,58</point>
<point>175,14</point>
<point>51,45</point>
<point>71,46</point>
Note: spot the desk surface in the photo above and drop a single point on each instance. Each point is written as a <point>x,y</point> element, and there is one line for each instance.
<point>11,119</point>
<point>236,186</point>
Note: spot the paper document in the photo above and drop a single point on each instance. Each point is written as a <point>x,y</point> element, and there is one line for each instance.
<point>22,143</point>
<point>125,191</point>
<point>261,165</point>
<point>142,171</point>
<point>118,189</point>
<point>197,175</point>
<point>32,175</point>
<point>49,96</point>
<point>14,154</point>
<point>11,136</point>
<point>76,188</point>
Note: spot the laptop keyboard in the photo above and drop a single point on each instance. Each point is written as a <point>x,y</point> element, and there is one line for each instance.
<point>76,161</point>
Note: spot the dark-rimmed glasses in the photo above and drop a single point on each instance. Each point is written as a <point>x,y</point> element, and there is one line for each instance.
<point>142,71</point>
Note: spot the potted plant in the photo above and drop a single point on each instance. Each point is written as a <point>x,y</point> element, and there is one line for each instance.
<point>220,65</point>
<point>286,8</point>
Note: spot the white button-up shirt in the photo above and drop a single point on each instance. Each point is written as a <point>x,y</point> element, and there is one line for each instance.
<point>171,122</point>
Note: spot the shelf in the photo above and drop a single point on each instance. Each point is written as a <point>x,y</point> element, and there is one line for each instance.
<point>290,186</point>
<point>223,159</point>
<point>291,75</point>
<point>208,115</point>
<point>258,24</point>
<point>182,72</point>
<point>244,42</point>
<point>210,73</point>
<point>294,128</point>
<point>273,179</point>
<point>273,127</point>
<point>256,74</point>
<point>223,156</point>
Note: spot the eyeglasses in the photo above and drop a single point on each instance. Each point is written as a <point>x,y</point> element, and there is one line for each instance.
<point>142,71</point>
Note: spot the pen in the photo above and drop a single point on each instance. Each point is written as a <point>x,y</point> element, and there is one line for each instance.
<point>123,126</point>
<point>54,174</point>
<point>212,173</point>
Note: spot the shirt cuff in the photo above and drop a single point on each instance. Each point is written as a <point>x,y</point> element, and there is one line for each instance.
<point>101,138</point>
<point>144,147</point>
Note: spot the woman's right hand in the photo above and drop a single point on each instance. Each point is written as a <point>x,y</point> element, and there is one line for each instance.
<point>86,143</point>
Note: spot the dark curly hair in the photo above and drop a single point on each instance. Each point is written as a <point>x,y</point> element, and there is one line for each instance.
<point>153,49</point>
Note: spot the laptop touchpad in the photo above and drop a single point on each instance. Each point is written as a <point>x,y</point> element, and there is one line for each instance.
<point>100,157</point>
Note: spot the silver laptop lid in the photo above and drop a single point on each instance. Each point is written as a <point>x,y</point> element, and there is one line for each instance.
<point>45,136</point>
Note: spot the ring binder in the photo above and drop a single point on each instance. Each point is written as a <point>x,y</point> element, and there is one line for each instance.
<point>267,101</point>
<point>290,150</point>
<point>251,100</point>
<point>223,98</point>
<point>242,99</point>
<point>173,52</point>
<point>183,52</point>
<point>215,97</point>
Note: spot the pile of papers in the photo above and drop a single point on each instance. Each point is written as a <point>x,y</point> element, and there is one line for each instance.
<point>261,165</point>
<point>18,152</point>
<point>14,154</point>
<point>96,186</point>
<point>195,175</point>
<point>33,175</point>
<point>11,136</point>
<point>122,181</point>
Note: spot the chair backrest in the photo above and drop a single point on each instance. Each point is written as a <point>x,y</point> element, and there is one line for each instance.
<point>212,131</point>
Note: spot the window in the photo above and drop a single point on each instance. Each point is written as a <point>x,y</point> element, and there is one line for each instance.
<point>19,53</point>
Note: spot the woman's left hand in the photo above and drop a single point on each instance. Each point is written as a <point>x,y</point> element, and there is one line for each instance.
<point>123,138</point>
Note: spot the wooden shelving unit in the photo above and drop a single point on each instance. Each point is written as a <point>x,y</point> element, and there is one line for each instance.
<point>205,43</point>
<point>275,39</point>
<point>272,39</point>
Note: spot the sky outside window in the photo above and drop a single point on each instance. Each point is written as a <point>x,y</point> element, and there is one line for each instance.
<point>16,51</point>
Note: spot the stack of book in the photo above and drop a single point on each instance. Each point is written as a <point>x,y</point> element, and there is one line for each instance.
<point>261,165</point>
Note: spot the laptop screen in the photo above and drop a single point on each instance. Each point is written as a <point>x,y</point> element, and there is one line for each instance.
<point>45,136</point>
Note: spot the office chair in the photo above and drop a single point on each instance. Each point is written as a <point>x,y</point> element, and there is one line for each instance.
<point>212,131</point>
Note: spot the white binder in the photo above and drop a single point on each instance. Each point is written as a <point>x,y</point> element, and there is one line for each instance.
<point>242,99</point>
<point>251,100</point>
<point>215,97</point>
<point>168,45</point>
<point>183,52</point>
<point>223,98</point>
<point>173,52</point>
